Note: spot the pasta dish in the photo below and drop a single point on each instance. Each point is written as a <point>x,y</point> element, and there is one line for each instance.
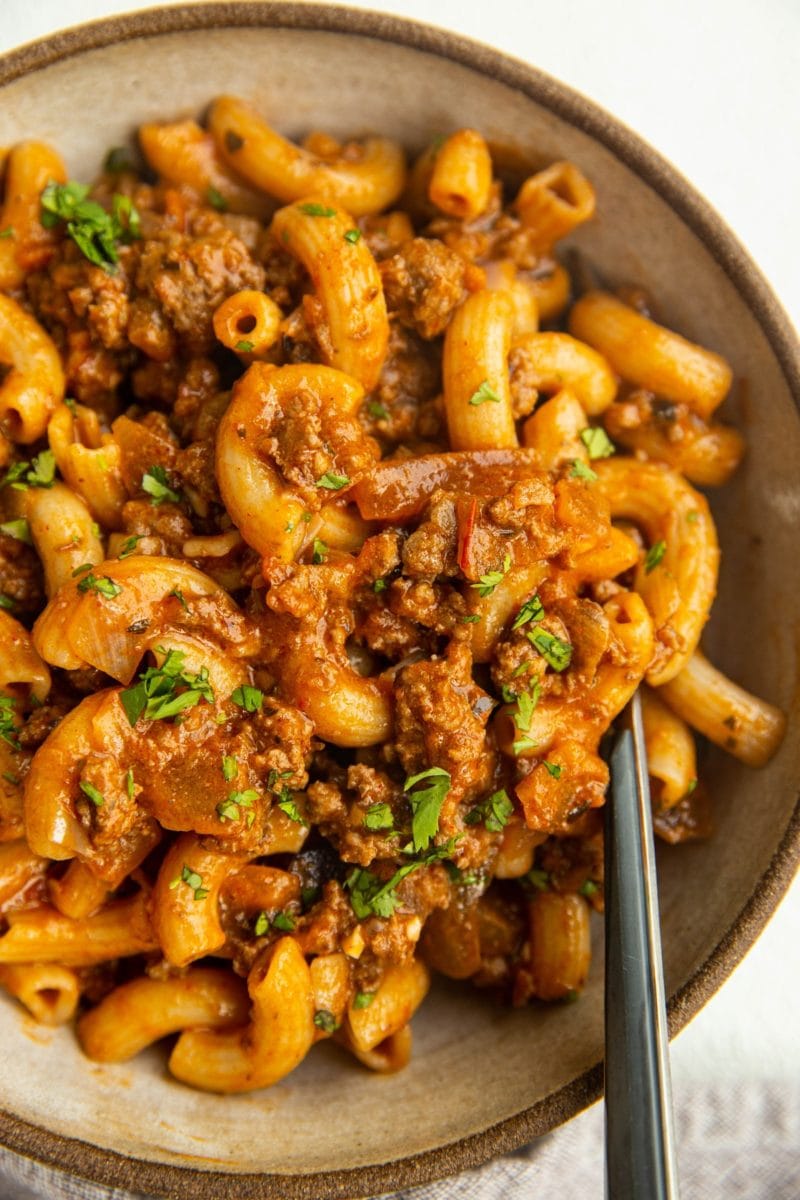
<point>338,522</point>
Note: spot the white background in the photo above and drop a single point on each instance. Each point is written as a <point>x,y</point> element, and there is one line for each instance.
<point>715,86</point>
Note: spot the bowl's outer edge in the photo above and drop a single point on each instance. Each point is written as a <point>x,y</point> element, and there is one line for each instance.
<point>175,1183</point>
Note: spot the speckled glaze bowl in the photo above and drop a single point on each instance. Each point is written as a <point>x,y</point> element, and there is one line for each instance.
<point>483,1080</point>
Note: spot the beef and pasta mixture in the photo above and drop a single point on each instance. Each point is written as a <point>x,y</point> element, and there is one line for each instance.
<point>337,525</point>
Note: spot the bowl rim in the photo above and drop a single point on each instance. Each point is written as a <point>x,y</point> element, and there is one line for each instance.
<point>97,1165</point>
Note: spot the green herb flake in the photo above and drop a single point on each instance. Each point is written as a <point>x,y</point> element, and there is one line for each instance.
<point>261,925</point>
<point>192,881</point>
<point>103,586</point>
<point>378,816</point>
<point>309,896</point>
<point>178,594</point>
<point>247,697</point>
<point>130,783</point>
<point>369,896</point>
<point>41,472</point>
<point>352,236</point>
<point>289,806</point>
<point>484,393</point>
<point>378,412</point>
<point>581,471</point>
<point>8,232</point>
<point>333,482</point>
<point>654,556</point>
<point>129,546</point>
<point>495,812</point>
<point>91,791</point>
<point>319,551</point>
<point>472,619</point>
<point>363,999</point>
<point>230,767</point>
<point>552,769</point>
<point>11,778</point>
<point>156,483</point>
<point>691,787</point>
<point>96,232</point>
<point>164,692</point>
<point>380,585</point>
<point>244,347</point>
<point>310,209</point>
<point>526,703</point>
<point>216,199</point>
<point>531,610</point>
<point>20,530</point>
<point>488,582</point>
<point>537,878</point>
<point>555,652</point>
<point>523,745</point>
<point>325,1021</point>
<point>426,804</point>
<point>6,602</point>
<point>597,442</point>
<point>8,728</point>
<point>589,888</point>
<point>283,922</point>
<point>693,517</point>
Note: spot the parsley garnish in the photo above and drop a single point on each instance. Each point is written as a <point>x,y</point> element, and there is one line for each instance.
<point>216,199</point>
<point>262,924</point>
<point>472,619</point>
<point>363,999</point>
<point>537,878</point>
<point>370,897</point>
<point>693,517</point>
<point>553,650</point>
<point>426,804</point>
<point>487,583</point>
<point>6,602</point>
<point>495,812</point>
<point>244,347</point>
<point>247,697</point>
<point>19,530</point>
<point>521,745</point>
<point>581,471</point>
<point>91,791</point>
<point>325,1021</point>
<point>192,880</point>
<point>283,922</point>
<point>597,442</point>
<point>526,703</point>
<point>94,231</point>
<point>156,694</point>
<point>377,411</point>
<point>532,610</point>
<point>588,888</point>
<point>484,393</point>
<point>287,805</point>
<point>230,767</point>
<point>353,236</point>
<point>156,483</point>
<point>654,556</point>
<point>8,730</point>
<point>11,778</point>
<point>320,551</point>
<point>380,585</point>
<point>129,545</point>
<point>41,472</point>
<point>332,482</point>
<point>379,816</point>
<point>230,809</point>
<point>316,210</point>
<point>104,586</point>
<point>552,769</point>
<point>8,232</point>
<point>130,783</point>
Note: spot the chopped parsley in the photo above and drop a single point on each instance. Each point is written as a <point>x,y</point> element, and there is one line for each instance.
<point>552,769</point>
<point>352,236</point>
<point>537,878</point>
<point>156,483</point>
<point>11,778</point>
<point>283,922</point>
<point>370,896</point>
<point>102,586</point>
<point>531,610</point>
<point>380,585</point>
<point>230,808</point>
<point>311,209</point>
<point>581,471</point>
<point>247,697</point>
<point>6,602</point>
<point>179,596</point>
<point>96,232</point>
<point>19,530</point>
<point>192,881</point>
<point>495,812</point>
<point>363,999</point>
<point>523,744</point>
<point>472,619</point>
<point>244,346</point>
<point>488,582</point>
<point>589,888</point>
<point>262,924</point>
<point>654,556</point>
<point>426,804</point>
<point>319,551</point>
<point>325,1021</point>
<point>165,691</point>
<point>691,787</point>
<point>88,789</point>
<point>597,442</point>
<point>333,482</point>
<point>379,816</point>
<point>41,472</point>
<point>130,783</point>
<point>288,805</point>
<point>129,545</point>
<point>216,199</point>
<point>230,767</point>
<point>379,412</point>
<point>8,729</point>
<point>484,393</point>
<point>557,653</point>
<point>526,703</point>
<point>8,232</point>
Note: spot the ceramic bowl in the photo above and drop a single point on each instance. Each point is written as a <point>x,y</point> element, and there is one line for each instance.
<point>483,1079</point>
